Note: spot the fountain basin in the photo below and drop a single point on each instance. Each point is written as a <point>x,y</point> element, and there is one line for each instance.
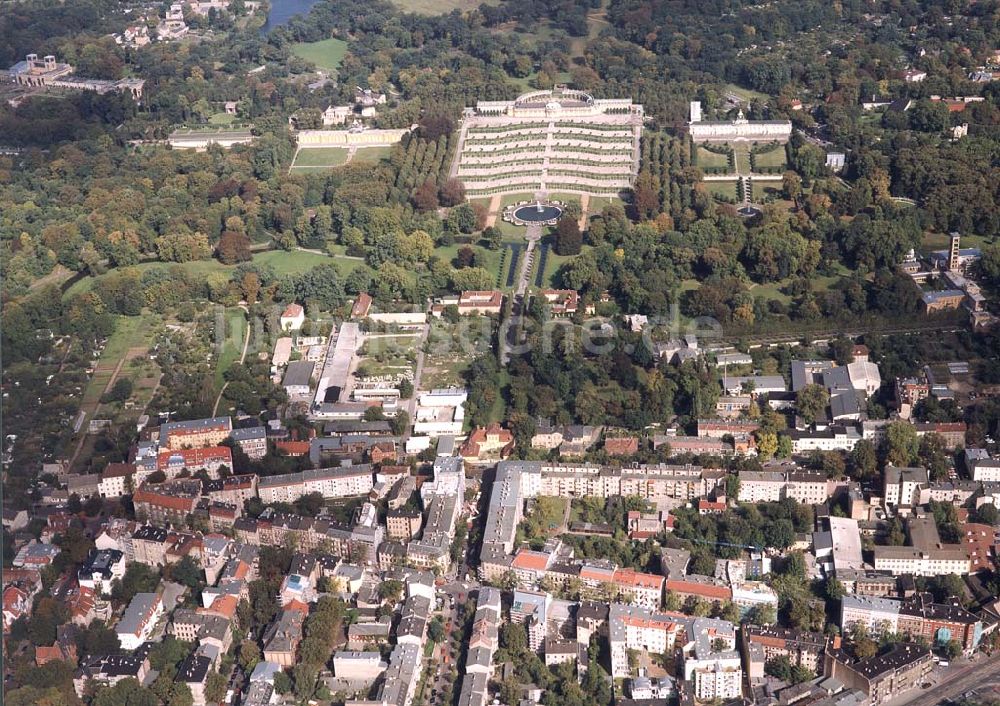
<point>537,213</point>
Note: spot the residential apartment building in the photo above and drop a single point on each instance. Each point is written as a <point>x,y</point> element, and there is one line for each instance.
<point>208,459</point>
<point>340,482</point>
<point>251,440</point>
<point>807,487</point>
<point>101,569</point>
<point>832,438</point>
<point>195,434</point>
<point>902,485</point>
<point>139,619</point>
<point>108,670</point>
<point>928,555</point>
<point>917,617</point>
<point>885,676</point>
<point>232,490</point>
<point>763,643</point>
<point>167,503</point>
<point>116,480</point>
<point>403,524</point>
<point>281,639</point>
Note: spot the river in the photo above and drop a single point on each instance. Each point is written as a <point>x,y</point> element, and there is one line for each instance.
<point>284,10</point>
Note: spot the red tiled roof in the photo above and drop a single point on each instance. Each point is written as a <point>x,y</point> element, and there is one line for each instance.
<point>595,573</point>
<point>195,457</point>
<point>527,559</point>
<point>44,654</point>
<point>292,310</point>
<point>949,426</point>
<point>118,470</point>
<point>391,470</point>
<point>479,298</point>
<point>12,595</point>
<point>625,446</point>
<point>292,448</point>
<point>223,605</point>
<point>361,306</point>
<point>562,299</point>
<point>637,579</point>
<point>81,601</point>
<point>171,502</point>
<point>480,435</point>
<point>706,590</point>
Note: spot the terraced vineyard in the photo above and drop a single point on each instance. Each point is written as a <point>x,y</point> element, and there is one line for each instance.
<point>595,154</point>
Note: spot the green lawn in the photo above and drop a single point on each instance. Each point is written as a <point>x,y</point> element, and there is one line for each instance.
<point>528,82</point>
<point>490,258</point>
<point>130,332</point>
<point>222,119</point>
<point>726,189</point>
<point>707,159</point>
<point>771,158</point>
<point>552,264</point>
<point>599,203</point>
<point>284,262</point>
<point>500,403</point>
<point>742,156</point>
<point>371,154</point>
<point>940,241</point>
<point>745,94</point>
<point>439,7</point>
<point>320,157</point>
<point>297,261</point>
<point>236,326</point>
<point>326,54</point>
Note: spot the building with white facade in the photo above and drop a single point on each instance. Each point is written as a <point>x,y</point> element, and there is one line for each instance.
<point>903,485</point>
<point>337,482</point>
<point>739,129</point>
<point>101,569</point>
<point>139,619</point>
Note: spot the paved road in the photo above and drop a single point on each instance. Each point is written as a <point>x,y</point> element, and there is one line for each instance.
<point>418,373</point>
<point>533,234</point>
<point>953,682</point>
<point>874,329</point>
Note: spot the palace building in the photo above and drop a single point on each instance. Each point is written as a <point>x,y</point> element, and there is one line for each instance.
<point>47,72</point>
<point>560,140</point>
<point>739,129</point>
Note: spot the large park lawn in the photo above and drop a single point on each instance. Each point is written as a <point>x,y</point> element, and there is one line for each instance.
<point>320,157</point>
<point>283,262</point>
<point>708,159</point>
<point>326,54</point>
<point>439,7</point>
<point>772,158</point>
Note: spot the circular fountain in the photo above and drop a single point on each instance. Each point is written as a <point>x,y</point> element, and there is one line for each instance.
<point>539,212</point>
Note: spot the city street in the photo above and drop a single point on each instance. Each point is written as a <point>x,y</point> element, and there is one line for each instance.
<point>951,682</point>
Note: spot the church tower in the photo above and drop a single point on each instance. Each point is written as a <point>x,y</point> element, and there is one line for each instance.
<point>954,241</point>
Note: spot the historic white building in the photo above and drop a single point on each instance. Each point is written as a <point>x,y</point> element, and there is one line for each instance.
<point>738,129</point>
<point>559,140</point>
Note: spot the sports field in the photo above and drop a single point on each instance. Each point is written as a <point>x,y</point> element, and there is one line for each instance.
<point>326,54</point>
